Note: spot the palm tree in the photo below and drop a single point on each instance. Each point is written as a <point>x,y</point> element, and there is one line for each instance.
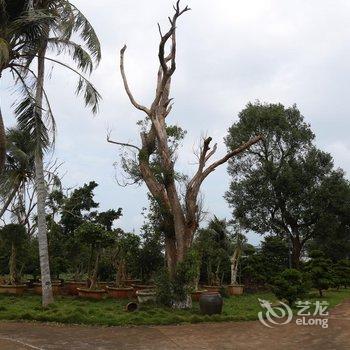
<point>20,32</point>
<point>19,167</point>
<point>30,112</point>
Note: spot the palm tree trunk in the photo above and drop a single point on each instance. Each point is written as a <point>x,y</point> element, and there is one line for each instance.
<point>47,295</point>
<point>13,274</point>
<point>9,199</point>
<point>2,144</point>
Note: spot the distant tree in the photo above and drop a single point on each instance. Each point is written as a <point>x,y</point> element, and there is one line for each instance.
<point>261,266</point>
<point>282,184</point>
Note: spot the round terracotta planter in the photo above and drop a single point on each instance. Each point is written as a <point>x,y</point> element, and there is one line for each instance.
<point>96,294</point>
<point>72,287</point>
<point>120,293</point>
<point>213,288</point>
<point>138,287</point>
<point>235,289</point>
<point>197,294</point>
<point>56,288</point>
<point>129,283</point>
<point>210,303</point>
<point>12,289</point>
<point>146,296</point>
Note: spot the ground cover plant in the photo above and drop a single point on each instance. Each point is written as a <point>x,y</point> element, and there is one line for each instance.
<point>111,312</point>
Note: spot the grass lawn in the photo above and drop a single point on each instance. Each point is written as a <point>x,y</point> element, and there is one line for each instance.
<point>111,312</point>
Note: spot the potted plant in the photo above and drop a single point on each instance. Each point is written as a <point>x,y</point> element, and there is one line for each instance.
<point>234,288</point>
<point>124,253</point>
<point>13,235</point>
<point>98,238</point>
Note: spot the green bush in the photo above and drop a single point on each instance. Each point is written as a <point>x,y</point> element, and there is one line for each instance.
<point>320,272</point>
<point>341,272</point>
<point>290,285</point>
<point>176,288</point>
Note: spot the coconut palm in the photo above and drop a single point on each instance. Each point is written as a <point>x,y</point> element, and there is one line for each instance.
<point>20,33</point>
<point>19,167</point>
<point>34,112</point>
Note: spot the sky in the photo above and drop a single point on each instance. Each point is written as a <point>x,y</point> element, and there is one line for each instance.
<point>230,52</point>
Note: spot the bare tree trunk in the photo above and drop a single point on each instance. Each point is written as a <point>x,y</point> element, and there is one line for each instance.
<point>296,252</point>
<point>183,215</point>
<point>9,199</point>
<point>2,143</point>
<point>47,295</point>
<point>95,273</point>
<point>234,266</point>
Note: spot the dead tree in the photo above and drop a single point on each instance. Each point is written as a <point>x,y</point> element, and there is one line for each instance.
<point>180,214</point>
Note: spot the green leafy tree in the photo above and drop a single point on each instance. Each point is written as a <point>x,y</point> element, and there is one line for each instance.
<point>290,285</point>
<point>14,236</point>
<point>341,272</point>
<point>97,238</point>
<point>281,184</point>
<point>214,247</point>
<point>320,271</point>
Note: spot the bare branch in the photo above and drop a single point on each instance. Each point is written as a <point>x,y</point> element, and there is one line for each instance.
<point>126,85</point>
<point>229,155</point>
<point>123,144</point>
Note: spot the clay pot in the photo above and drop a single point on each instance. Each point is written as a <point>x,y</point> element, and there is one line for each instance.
<point>56,288</point>
<point>212,288</point>
<point>120,293</point>
<point>197,294</point>
<point>131,307</point>
<point>235,289</point>
<point>138,287</point>
<point>12,289</point>
<point>146,296</point>
<point>210,303</point>
<point>72,287</point>
<point>96,294</point>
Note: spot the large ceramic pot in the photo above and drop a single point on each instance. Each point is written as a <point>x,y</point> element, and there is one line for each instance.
<point>72,287</point>
<point>146,296</point>
<point>138,287</point>
<point>96,294</point>
<point>12,289</point>
<point>130,283</point>
<point>210,303</point>
<point>120,293</point>
<point>56,288</point>
<point>197,294</point>
<point>235,289</point>
<point>212,288</point>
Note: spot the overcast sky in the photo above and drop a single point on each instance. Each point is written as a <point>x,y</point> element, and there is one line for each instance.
<point>230,52</point>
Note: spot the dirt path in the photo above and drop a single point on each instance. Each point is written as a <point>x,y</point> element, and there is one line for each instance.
<point>218,336</point>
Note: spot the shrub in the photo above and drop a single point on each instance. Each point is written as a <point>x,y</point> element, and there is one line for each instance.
<point>290,285</point>
<point>319,269</point>
<point>342,273</point>
<point>175,289</point>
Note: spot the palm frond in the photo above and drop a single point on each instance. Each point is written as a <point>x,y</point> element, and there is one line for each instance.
<point>30,121</point>
<point>79,55</point>
<point>91,95</point>
<point>74,21</point>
